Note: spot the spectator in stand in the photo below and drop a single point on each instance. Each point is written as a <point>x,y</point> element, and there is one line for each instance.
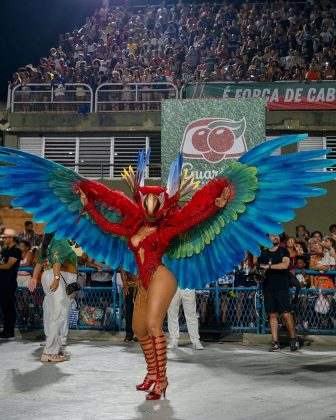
<point>29,234</point>
<point>301,234</point>
<point>299,270</point>
<point>321,262</point>
<point>273,71</point>
<point>26,261</point>
<point>146,95</point>
<point>332,230</point>
<point>313,74</point>
<point>328,244</point>
<point>127,95</point>
<point>328,73</point>
<point>16,80</point>
<point>158,87</point>
<point>316,234</point>
<point>300,265</point>
<point>290,245</point>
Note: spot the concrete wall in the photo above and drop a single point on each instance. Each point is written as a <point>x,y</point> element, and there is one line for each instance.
<point>150,121</point>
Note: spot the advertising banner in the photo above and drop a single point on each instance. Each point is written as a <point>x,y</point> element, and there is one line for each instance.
<point>209,133</point>
<point>278,95</point>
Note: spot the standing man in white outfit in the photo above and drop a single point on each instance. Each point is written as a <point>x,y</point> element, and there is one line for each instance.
<point>59,264</point>
<point>64,330</point>
<point>188,299</point>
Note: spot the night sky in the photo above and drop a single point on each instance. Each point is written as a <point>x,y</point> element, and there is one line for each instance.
<point>28,29</point>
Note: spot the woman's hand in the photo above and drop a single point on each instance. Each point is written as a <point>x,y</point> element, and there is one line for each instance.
<point>32,283</point>
<point>54,285</point>
<point>125,290</point>
<point>83,198</point>
<point>223,199</point>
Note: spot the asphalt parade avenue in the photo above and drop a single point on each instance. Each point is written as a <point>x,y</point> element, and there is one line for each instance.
<point>225,381</point>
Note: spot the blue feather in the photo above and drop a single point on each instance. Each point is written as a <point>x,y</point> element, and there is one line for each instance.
<point>256,154</point>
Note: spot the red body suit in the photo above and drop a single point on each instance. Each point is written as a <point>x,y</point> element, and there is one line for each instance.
<point>150,250</point>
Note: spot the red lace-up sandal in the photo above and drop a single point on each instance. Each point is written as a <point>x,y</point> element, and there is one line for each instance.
<point>148,350</point>
<point>161,382</point>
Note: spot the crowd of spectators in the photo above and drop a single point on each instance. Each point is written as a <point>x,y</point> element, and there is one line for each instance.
<point>212,41</point>
<point>315,252</point>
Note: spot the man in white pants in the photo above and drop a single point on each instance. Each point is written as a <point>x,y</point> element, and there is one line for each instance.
<point>63,305</point>
<point>65,309</point>
<point>188,299</point>
<point>59,264</point>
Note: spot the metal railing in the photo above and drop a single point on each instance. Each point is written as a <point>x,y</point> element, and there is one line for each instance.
<point>79,97</point>
<point>239,309</point>
<point>111,97</point>
<point>314,312</point>
<point>44,97</point>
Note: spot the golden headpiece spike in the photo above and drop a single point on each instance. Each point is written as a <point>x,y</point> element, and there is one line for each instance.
<point>129,177</point>
<point>187,184</point>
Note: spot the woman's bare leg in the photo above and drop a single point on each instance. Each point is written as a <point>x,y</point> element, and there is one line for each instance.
<point>140,314</point>
<point>140,330</point>
<point>150,309</point>
<point>161,290</point>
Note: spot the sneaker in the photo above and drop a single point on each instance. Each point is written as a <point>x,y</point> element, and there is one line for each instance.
<point>275,346</point>
<point>173,344</point>
<point>7,336</point>
<point>197,345</point>
<point>294,344</point>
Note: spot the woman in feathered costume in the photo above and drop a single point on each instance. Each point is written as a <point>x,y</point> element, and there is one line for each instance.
<point>188,246</point>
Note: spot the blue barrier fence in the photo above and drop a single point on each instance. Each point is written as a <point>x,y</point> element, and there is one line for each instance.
<point>235,308</point>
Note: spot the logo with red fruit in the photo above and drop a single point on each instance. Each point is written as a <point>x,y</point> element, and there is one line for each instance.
<point>214,139</point>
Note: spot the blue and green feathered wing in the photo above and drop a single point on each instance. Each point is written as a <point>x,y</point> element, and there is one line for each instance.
<point>267,190</point>
<point>48,191</point>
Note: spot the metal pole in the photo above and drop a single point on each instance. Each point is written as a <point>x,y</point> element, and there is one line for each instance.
<point>257,308</point>
<point>217,297</point>
<point>263,314</point>
<point>120,311</point>
<point>114,300</point>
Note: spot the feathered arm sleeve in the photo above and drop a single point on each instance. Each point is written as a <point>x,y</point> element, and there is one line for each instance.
<point>197,210</point>
<point>98,194</point>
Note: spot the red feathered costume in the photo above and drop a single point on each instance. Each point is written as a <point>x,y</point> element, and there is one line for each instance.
<point>168,219</point>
